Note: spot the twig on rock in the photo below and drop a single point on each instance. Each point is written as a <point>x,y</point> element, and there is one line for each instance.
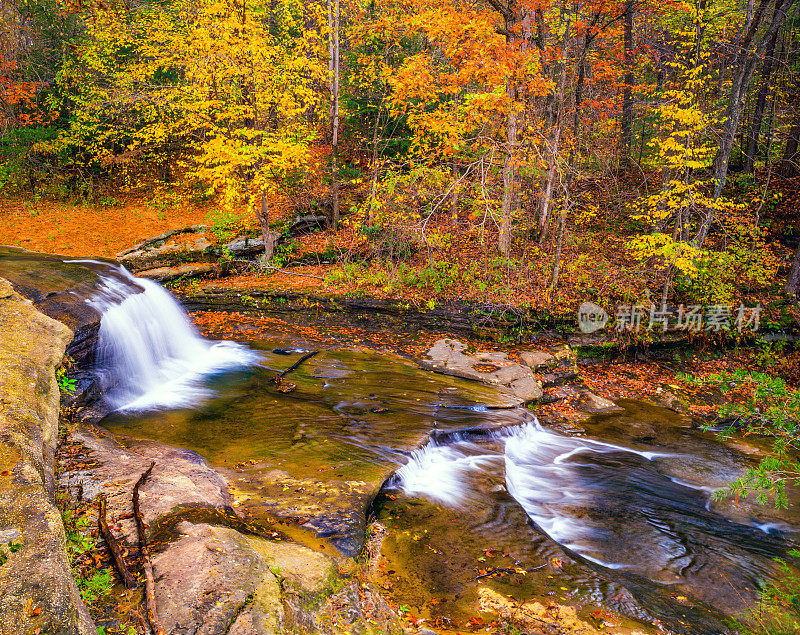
<point>113,546</point>
<point>147,566</point>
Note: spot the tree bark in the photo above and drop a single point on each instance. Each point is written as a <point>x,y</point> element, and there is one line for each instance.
<point>761,100</point>
<point>626,121</point>
<point>791,156</point>
<point>333,21</point>
<point>266,232</point>
<point>792,285</point>
<point>144,550</point>
<point>113,546</point>
<point>509,162</point>
<point>750,50</point>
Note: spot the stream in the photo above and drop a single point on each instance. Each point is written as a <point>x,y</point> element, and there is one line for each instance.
<point>471,490</point>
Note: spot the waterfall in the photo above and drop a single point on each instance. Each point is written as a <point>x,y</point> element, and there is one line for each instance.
<point>149,355</point>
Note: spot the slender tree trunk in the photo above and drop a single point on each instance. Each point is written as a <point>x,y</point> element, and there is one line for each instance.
<point>547,195</point>
<point>790,162</point>
<point>454,194</point>
<point>269,238</point>
<point>333,67</point>
<point>761,100</point>
<point>750,50</point>
<point>626,121</point>
<point>510,160</point>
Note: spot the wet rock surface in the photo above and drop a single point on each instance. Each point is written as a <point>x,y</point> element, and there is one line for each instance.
<point>449,357</point>
<point>39,594</point>
<point>59,286</point>
<point>182,483</point>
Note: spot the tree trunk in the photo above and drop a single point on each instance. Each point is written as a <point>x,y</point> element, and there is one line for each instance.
<point>509,162</point>
<point>761,100</point>
<point>333,67</point>
<point>626,121</point>
<point>791,156</point>
<point>750,50</point>
<point>551,175</point>
<point>266,232</point>
<point>454,194</point>
<point>792,285</point>
<point>509,177</point>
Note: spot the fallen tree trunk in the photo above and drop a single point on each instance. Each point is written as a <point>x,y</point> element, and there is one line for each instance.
<point>147,566</point>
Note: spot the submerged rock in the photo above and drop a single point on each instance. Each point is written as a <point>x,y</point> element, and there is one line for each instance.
<point>39,594</point>
<point>448,357</point>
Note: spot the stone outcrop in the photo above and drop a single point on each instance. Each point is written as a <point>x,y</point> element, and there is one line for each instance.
<point>449,357</point>
<point>216,569</point>
<point>39,593</point>
<point>59,286</point>
<point>188,245</point>
<point>212,580</point>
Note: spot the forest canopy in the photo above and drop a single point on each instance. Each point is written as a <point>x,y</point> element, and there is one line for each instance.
<point>552,151</point>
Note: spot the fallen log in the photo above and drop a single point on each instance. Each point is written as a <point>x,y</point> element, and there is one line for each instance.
<point>113,546</point>
<point>147,566</point>
<point>283,373</point>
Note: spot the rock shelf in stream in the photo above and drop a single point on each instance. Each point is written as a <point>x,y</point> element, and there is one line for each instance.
<point>59,286</point>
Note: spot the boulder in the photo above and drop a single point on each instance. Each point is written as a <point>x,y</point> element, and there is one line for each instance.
<point>190,244</point>
<point>245,247</point>
<point>211,580</point>
<point>181,484</point>
<point>538,359</point>
<point>308,222</point>
<point>39,593</point>
<point>447,356</point>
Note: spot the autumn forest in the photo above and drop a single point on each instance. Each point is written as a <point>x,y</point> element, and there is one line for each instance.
<point>464,315</point>
<point>551,152</point>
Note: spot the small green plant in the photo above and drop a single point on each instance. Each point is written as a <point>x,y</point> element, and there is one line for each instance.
<point>66,384</point>
<point>95,586</point>
<point>762,405</point>
<point>778,610</point>
<point>12,547</point>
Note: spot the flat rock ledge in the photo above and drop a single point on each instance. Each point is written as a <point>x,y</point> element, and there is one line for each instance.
<point>39,593</point>
<point>448,357</point>
<point>215,572</point>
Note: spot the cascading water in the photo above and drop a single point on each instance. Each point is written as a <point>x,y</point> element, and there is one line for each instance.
<point>149,356</point>
<point>622,512</point>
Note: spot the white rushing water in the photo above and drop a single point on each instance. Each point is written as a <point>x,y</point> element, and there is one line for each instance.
<point>149,355</point>
<point>558,480</point>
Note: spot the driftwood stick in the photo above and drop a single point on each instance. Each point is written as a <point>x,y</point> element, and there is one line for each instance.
<point>283,373</point>
<point>113,546</point>
<point>147,566</point>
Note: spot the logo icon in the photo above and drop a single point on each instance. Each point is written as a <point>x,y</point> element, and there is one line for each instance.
<point>591,317</point>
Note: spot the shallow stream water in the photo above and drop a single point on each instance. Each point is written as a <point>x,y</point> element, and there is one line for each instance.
<point>618,522</point>
<point>620,518</point>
